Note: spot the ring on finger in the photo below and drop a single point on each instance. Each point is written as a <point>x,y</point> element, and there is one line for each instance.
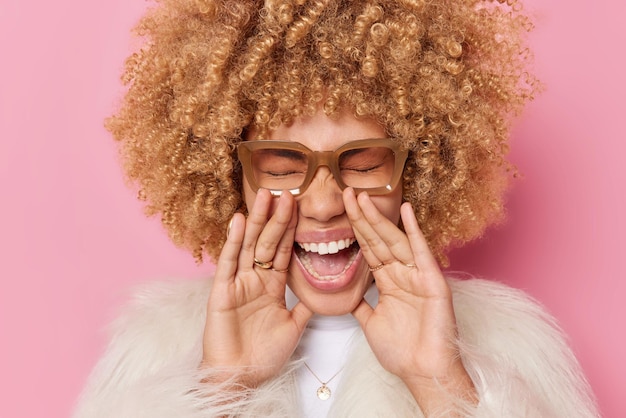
<point>409,265</point>
<point>376,267</point>
<point>263,264</point>
<point>280,271</point>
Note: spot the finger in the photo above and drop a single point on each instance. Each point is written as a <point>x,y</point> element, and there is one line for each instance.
<point>301,315</point>
<point>276,239</point>
<point>419,247</point>
<point>391,236</point>
<point>362,312</point>
<point>382,236</point>
<point>285,246</point>
<point>432,277</point>
<point>257,218</point>
<point>365,235</point>
<point>228,260</point>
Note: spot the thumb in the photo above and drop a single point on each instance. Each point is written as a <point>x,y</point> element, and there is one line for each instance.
<point>301,315</point>
<point>363,312</point>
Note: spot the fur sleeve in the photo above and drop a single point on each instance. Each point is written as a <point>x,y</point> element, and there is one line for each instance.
<point>150,368</point>
<point>516,355</point>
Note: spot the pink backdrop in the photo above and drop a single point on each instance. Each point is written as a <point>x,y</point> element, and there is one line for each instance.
<point>74,238</point>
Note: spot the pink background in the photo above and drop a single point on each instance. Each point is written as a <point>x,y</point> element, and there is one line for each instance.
<point>74,238</point>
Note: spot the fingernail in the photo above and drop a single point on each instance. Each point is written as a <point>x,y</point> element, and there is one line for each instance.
<point>230,223</point>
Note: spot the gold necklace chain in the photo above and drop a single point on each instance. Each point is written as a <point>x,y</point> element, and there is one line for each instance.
<point>323,392</point>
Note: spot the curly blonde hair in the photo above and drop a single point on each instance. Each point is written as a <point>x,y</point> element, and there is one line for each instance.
<point>442,76</point>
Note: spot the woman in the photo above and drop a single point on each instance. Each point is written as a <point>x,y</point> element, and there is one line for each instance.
<point>326,154</point>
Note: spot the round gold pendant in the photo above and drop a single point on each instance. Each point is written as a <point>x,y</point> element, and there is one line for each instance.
<point>323,392</point>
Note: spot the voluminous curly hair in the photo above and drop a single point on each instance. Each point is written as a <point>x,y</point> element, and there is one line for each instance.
<point>442,76</point>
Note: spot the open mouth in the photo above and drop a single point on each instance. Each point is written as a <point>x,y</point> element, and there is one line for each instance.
<point>327,261</point>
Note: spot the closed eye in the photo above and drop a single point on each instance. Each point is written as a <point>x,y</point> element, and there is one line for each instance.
<point>281,173</point>
<point>366,169</point>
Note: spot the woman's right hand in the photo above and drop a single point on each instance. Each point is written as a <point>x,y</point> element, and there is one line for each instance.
<point>249,333</point>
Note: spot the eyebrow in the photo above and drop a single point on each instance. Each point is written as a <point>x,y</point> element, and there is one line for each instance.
<point>357,151</point>
<point>286,153</point>
<point>353,152</point>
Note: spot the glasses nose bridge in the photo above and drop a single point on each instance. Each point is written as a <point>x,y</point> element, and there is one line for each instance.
<point>318,159</point>
<point>322,158</point>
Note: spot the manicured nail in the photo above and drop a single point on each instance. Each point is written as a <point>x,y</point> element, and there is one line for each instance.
<point>230,223</point>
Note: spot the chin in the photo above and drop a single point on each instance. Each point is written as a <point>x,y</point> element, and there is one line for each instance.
<point>334,305</point>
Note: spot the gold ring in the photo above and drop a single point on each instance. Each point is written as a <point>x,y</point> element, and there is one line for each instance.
<point>376,267</point>
<point>280,271</point>
<point>263,264</point>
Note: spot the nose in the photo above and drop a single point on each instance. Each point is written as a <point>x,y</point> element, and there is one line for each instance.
<point>322,200</point>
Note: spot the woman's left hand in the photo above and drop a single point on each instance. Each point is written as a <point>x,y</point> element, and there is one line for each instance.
<point>412,331</point>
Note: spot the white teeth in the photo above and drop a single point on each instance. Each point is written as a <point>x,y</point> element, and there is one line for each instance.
<point>323,248</point>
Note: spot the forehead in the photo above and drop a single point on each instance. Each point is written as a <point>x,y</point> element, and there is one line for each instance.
<point>320,132</point>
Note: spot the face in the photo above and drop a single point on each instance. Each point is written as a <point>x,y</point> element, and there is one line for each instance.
<point>327,271</point>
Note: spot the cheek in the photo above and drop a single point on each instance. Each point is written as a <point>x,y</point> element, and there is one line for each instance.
<point>389,205</point>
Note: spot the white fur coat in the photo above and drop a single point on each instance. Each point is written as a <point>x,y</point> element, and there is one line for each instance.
<point>514,352</point>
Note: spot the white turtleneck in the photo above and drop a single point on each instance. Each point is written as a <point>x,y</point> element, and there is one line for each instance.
<point>324,348</point>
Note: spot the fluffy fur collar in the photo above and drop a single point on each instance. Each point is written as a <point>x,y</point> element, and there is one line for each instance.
<point>513,350</point>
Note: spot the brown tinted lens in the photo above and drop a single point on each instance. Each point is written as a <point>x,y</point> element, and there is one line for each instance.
<point>367,168</point>
<point>279,169</point>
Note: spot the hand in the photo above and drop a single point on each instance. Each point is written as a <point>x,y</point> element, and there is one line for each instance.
<point>249,332</point>
<point>412,330</point>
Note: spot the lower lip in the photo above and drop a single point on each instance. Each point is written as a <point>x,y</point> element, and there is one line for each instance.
<point>333,285</point>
